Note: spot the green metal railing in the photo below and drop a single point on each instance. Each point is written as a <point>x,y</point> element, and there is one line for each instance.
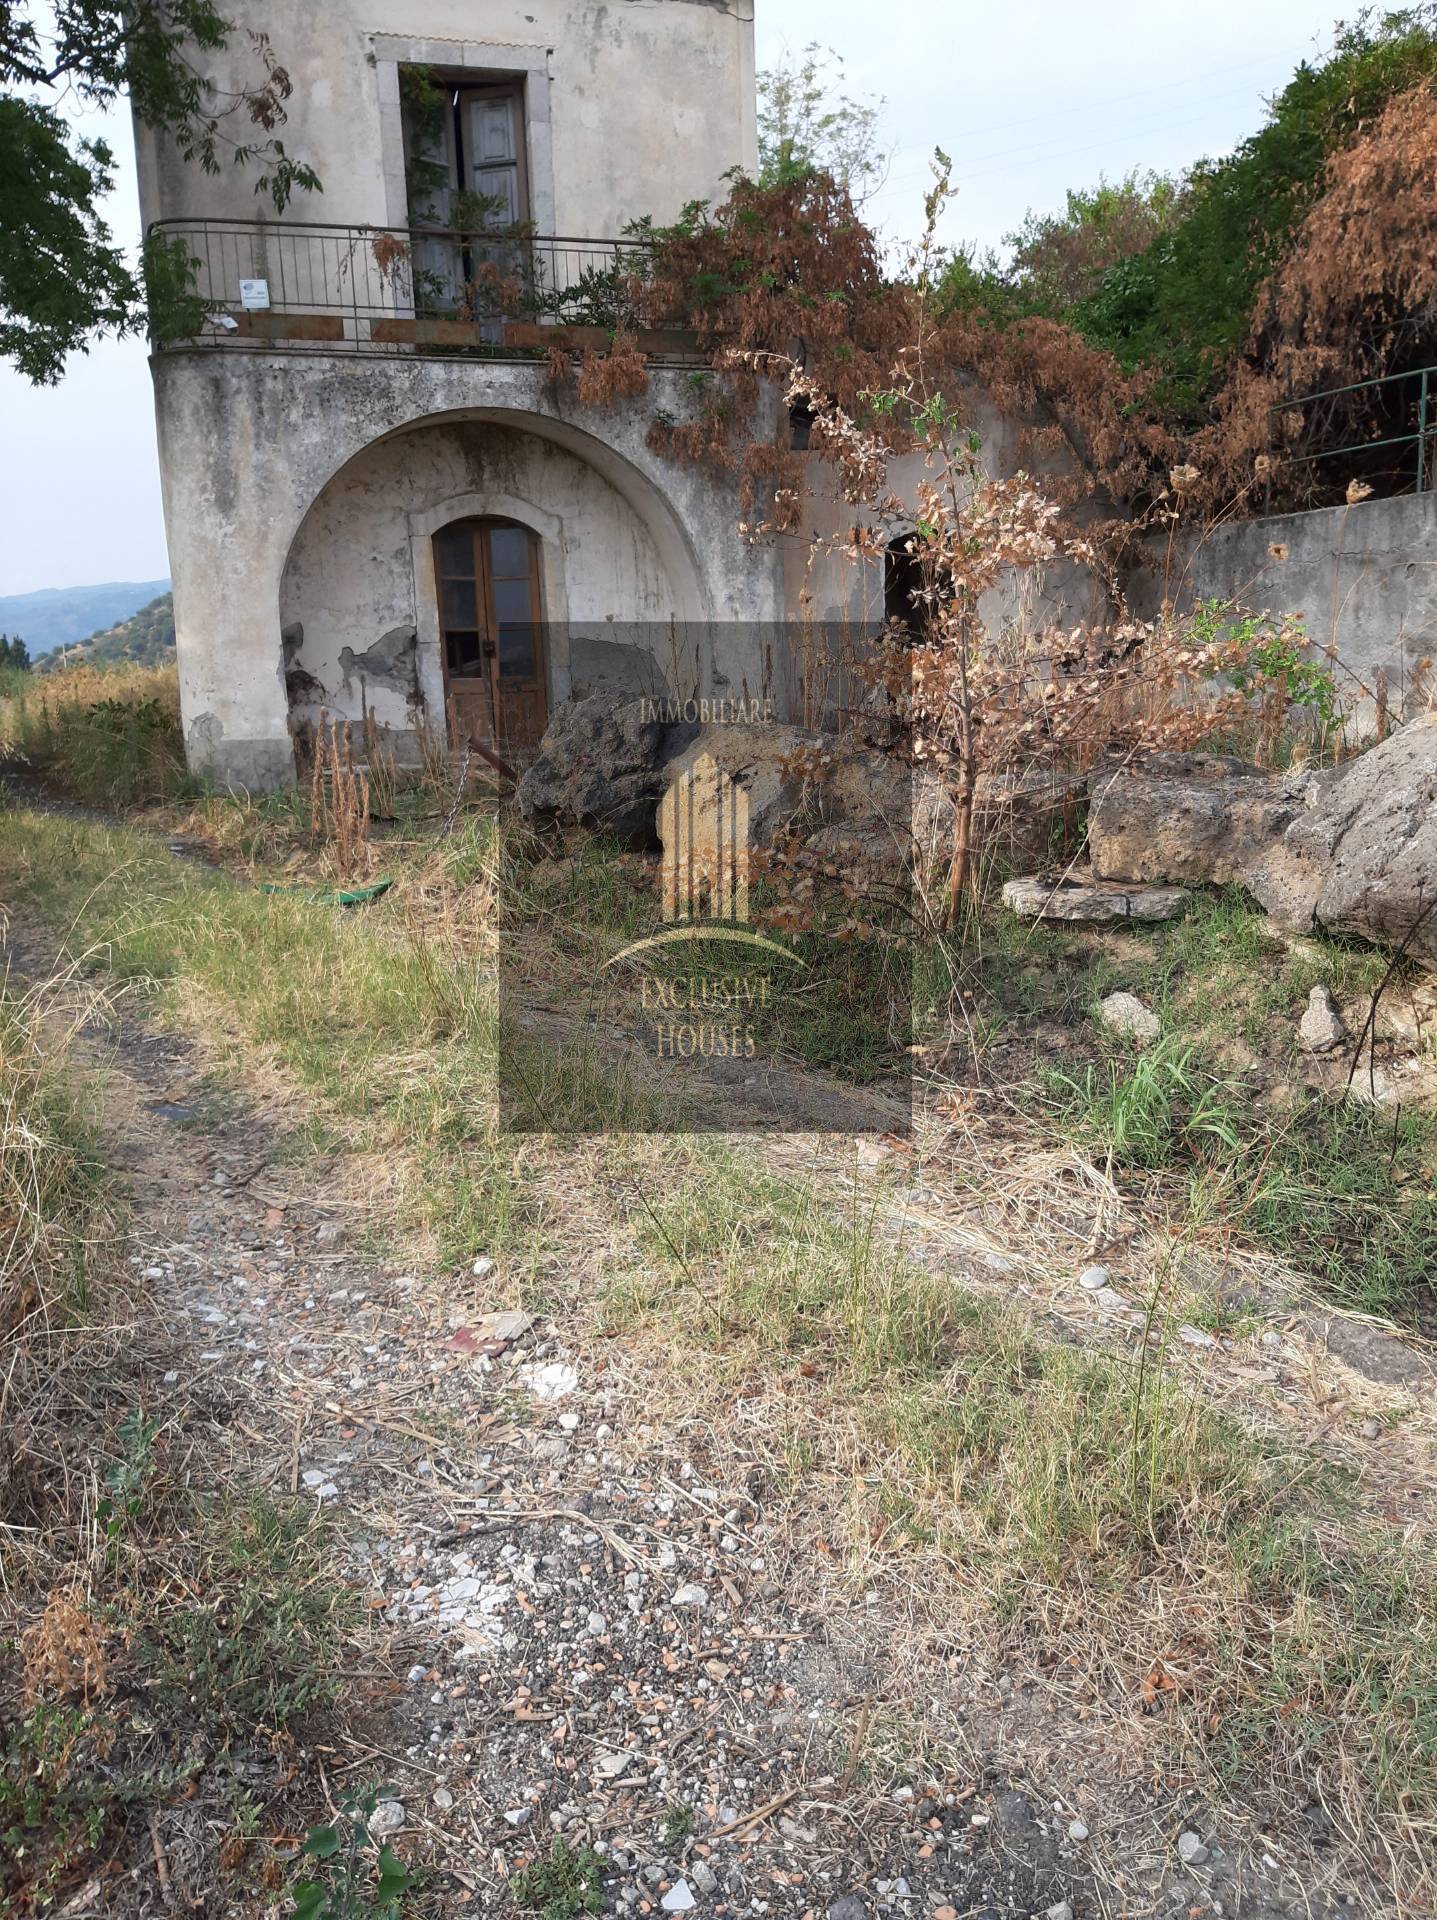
<point>1425,429</point>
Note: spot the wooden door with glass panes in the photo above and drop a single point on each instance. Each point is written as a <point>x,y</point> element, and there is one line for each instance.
<point>492,632</point>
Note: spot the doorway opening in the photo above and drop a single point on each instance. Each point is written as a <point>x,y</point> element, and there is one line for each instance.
<point>492,634</point>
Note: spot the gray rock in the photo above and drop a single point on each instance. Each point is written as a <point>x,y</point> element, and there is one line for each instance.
<point>1320,1029</point>
<point>388,1817</point>
<point>848,1906</point>
<point>679,1898</point>
<point>691,1595</point>
<point>704,1877</point>
<point>1191,1849</point>
<point>1124,1013</point>
<point>1189,817</point>
<point>1350,849</point>
<point>1196,1337</point>
<point>1091,902</point>
<point>1094,1278</point>
<point>601,764</point>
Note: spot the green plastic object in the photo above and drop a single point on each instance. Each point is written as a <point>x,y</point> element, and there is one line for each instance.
<point>349,897</point>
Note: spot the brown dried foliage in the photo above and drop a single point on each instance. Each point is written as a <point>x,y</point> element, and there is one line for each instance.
<point>63,1654</point>
<point>607,378</point>
<point>339,799</point>
<point>1355,298</point>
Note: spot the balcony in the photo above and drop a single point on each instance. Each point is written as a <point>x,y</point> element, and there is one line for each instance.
<point>290,286</point>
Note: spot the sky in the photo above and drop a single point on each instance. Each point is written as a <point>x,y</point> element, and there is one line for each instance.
<point>1029,98</point>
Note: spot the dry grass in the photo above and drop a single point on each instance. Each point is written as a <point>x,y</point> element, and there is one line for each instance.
<point>1218,1599</point>
<point>154,1612</point>
<point>112,737</point>
<point>58,1210</point>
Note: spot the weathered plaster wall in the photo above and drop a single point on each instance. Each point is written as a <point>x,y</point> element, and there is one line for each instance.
<point>1363,577</point>
<point>842,590</point>
<point>634,106</point>
<point>361,565</point>
<point>250,442</point>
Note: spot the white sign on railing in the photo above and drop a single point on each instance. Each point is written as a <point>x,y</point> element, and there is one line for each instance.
<point>254,295</point>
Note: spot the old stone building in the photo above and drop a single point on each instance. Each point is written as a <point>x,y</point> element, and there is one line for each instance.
<point>377,498</point>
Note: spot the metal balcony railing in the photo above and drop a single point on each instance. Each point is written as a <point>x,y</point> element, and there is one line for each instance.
<point>388,290</point>
<point>1395,457</point>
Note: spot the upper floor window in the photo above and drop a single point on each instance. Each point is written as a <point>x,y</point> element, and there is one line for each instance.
<point>465,156</point>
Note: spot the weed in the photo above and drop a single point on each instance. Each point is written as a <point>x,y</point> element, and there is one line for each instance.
<point>258,1649</point>
<point>1149,1110</point>
<point>363,1878</point>
<point>112,737</point>
<point>1347,1194</point>
<point>61,1784</point>
<point>568,1882</point>
<point>677,1823</point>
<point>127,1480</point>
<point>1069,1488</point>
<point>57,1202</point>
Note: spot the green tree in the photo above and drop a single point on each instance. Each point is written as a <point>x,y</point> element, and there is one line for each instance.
<point>63,277</point>
<point>1184,304</point>
<point>807,124</point>
<point>1060,259</point>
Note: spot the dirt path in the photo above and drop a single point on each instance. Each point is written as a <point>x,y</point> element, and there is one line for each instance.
<point>594,1629</point>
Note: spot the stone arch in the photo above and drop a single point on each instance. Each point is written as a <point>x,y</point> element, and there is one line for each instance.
<point>359,568</point>
<point>649,501</point>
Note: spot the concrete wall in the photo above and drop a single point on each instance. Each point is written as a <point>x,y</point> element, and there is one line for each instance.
<point>1364,578</point>
<point>304,488</point>
<point>632,106</point>
<point>840,590</point>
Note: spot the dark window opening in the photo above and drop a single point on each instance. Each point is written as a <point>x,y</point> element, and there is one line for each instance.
<point>903,586</point>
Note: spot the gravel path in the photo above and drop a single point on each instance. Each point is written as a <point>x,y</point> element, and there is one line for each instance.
<point>591,1630</point>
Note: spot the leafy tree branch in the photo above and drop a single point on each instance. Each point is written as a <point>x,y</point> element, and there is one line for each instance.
<point>64,279</point>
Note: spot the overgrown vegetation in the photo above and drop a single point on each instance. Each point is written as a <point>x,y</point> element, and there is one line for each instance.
<point>161,1637</point>
<point>111,739</point>
<point>1095,1502</point>
<point>1091,1501</point>
<point>1297,262</point>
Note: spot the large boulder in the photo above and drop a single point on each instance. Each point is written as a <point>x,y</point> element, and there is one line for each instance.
<point>1351,849</point>
<point>602,764</point>
<point>1364,859</point>
<point>844,802</point>
<point>1190,817</point>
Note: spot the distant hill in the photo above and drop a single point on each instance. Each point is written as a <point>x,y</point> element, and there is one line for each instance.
<point>146,639</point>
<point>63,616</point>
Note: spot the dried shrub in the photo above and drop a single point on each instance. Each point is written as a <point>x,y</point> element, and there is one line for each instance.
<point>1355,299</point>
<point>63,1654</point>
<point>339,800</point>
<point>620,374</point>
<point>111,736</point>
<point>381,769</point>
